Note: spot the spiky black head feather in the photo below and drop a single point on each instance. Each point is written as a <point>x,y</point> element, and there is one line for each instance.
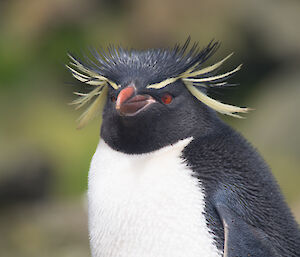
<point>151,66</point>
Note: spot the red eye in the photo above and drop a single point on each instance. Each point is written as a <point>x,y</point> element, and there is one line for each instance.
<point>113,98</point>
<point>166,98</point>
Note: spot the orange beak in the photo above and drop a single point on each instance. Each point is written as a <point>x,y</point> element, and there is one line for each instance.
<point>129,104</point>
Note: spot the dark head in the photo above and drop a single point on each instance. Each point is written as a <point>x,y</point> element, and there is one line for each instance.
<point>149,98</point>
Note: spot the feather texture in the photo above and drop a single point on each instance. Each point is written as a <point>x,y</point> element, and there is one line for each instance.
<point>214,104</point>
<point>214,78</point>
<point>90,77</point>
<point>95,108</point>
<point>88,74</point>
<point>192,78</point>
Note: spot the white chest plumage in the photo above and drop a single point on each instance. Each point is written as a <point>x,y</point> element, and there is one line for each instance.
<point>146,205</point>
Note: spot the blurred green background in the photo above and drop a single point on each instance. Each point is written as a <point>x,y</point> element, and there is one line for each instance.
<point>44,160</point>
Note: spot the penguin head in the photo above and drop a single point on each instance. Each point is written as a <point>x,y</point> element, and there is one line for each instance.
<point>137,119</point>
<point>152,98</point>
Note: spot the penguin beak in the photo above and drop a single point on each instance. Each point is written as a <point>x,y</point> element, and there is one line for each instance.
<point>129,103</point>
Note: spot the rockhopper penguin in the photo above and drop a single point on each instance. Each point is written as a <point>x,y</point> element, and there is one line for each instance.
<point>169,178</point>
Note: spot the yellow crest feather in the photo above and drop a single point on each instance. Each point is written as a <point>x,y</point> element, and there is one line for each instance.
<point>89,77</point>
<point>95,108</point>
<point>216,105</point>
<point>191,76</point>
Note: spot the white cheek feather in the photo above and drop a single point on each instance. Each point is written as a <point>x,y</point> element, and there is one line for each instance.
<point>146,205</point>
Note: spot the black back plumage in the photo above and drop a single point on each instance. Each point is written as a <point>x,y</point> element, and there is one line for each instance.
<point>233,174</point>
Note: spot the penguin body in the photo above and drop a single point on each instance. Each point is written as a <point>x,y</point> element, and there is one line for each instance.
<point>169,178</point>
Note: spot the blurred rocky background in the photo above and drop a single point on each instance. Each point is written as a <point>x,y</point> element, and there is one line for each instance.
<point>44,160</point>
